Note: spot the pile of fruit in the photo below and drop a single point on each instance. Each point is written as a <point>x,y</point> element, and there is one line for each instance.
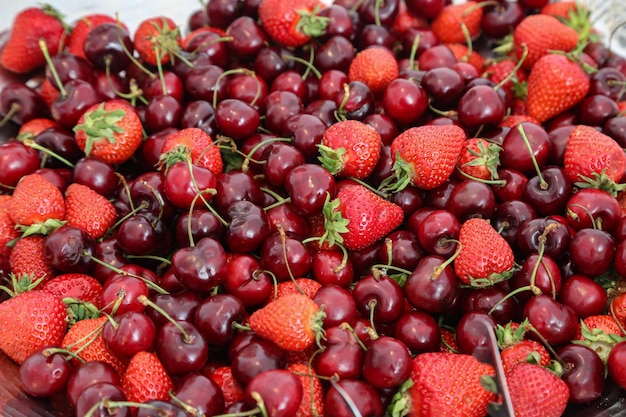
<point>292,208</point>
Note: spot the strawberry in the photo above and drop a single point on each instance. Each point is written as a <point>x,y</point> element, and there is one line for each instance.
<point>484,257</point>
<point>444,384</point>
<point>27,259</point>
<point>599,332</point>
<point>29,321</point>
<point>479,159</point>
<point>593,158</point>
<point>48,92</point>
<point>500,70</point>
<point>85,339</point>
<point>425,156</point>
<point>512,120</point>
<point>541,33</point>
<point>560,9</point>
<point>8,233</point>
<point>350,148</point>
<point>110,131</point>
<point>312,404</point>
<point>448,341</point>
<point>21,53</point>
<point>447,24</point>
<point>146,379</point>
<point>157,40</point>
<point>293,322</point>
<point>515,349</point>
<point>232,390</point>
<point>555,84</point>
<point>305,286</point>
<point>34,127</point>
<point>88,210</point>
<point>36,200</point>
<point>76,286</point>
<point>536,392</point>
<point>375,67</point>
<point>81,29</point>
<point>406,20</point>
<point>194,143</point>
<point>291,22</point>
<point>358,217</point>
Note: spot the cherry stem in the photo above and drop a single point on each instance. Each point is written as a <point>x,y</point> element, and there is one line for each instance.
<point>32,144</point>
<point>128,53</point>
<point>372,307</point>
<point>351,405</point>
<point>346,95</point>
<point>544,342</point>
<point>308,64</point>
<point>44,50</point>
<point>542,182</point>
<point>439,269</point>
<point>413,53</point>
<point>148,303</point>
<point>348,327</point>
<point>71,355</point>
<point>15,107</point>
<point>513,72</point>
<point>157,51</point>
<point>245,165</point>
<point>595,223</point>
<point>377,4</point>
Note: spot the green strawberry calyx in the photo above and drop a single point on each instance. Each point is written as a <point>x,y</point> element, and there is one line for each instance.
<point>100,124</point>
<point>598,340</point>
<point>21,283</point>
<point>401,401</point>
<point>310,24</point>
<point>335,225</point>
<point>332,159</point>
<point>601,181</point>
<point>487,155</point>
<point>403,172</point>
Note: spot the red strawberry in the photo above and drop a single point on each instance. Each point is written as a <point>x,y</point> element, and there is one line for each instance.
<point>375,67</point>
<point>312,404</point>
<point>48,92</point>
<point>291,22</point>
<point>80,287</point>
<point>542,33</point>
<point>358,217</point>
<point>479,159</point>
<point>426,156</point>
<point>513,120</point>
<point>600,332</point>
<point>85,339</point>
<point>110,131</point>
<point>448,341</point>
<point>515,349</point>
<point>88,210</point>
<point>21,53</point>
<point>232,390</point>
<point>305,286</point>
<point>561,9</point>
<point>34,127</point>
<point>350,148</point>
<point>157,39</point>
<point>194,143</point>
<point>501,70</point>
<point>35,200</point>
<point>27,259</point>
<point>8,233</point>
<point>81,29</point>
<point>484,256</point>
<point>594,158</point>
<point>293,322</point>
<point>29,321</point>
<point>446,384</point>
<point>447,24</point>
<point>536,392</point>
<point>555,84</point>
<point>464,54</point>
<point>146,379</point>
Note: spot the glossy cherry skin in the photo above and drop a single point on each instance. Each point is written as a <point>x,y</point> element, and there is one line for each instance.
<point>509,216</point>
<point>201,393</point>
<point>532,279</point>
<point>433,290</point>
<point>296,263</point>
<point>401,248</point>
<point>405,101</point>
<point>418,331</point>
<point>498,21</point>
<point>616,128</point>
<point>555,235</point>
<point>163,111</point>
<point>494,301</point>
<point>236,118</point>
<point>135,332</point>
<point>24,102</point>
<point>342,356</point>
<point>615,364</point>
<point>425,8</point>
<point>279,107</point>
<point>94,394</point>
<point>89,373</point>
<point>472,336</point>
<point>357,102</point>
<point>181,353</point>
<point>215,316</point>
<point>200,267</point>
<point>280,159</point>
<point>69,249</point>
<point>289,219</point>
<point>67,109</point>
<point>328,268</point>
<point>591,206</point>
<point>279,389</point>
<point>387,362</point>
<point>584,373</point>
<point>180,306</point>
<point>597,109</point>
<point>122,291</point>
<point>481,105</point>
<point>236,186</point>
<point>103,47</point>
<point>254,357</point>
<point>308,186</point>
<point>246,280</point>
<point>471,198</point>
<point>513,186</point>
<point>338,304</point>
<point>199,223</point>
<point>444,85</point>
<point>365,397</point>
<point>248,37</point>
<point>307,131</point>
<point>592,251</point>
<point>555,322</point>
<point>16,160</point>
<point>165,409</point>
<point>584,295</point>
<point>44,374</point>
<point>549,197</point>
<point>515,153</point>
<point>380,296</point>
<point>97,175</point>
<point>248,227</point>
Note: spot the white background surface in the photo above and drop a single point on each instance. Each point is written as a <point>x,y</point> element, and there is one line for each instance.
<point>131,12</point>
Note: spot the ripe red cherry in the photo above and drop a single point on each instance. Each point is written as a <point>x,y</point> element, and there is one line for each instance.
<point>279,389</point>
<point>516,154</point>
<point>555,322</point>
<point>44,374</point>
<point>481,105</point>
<point>379,296</point>
<point>584,295</point>
<point>387,362</point>
<point>584,372</point>
<point>366,399</point>
<point>616,364</point>
<point>90,373</point>
<point>431,289</point>
<point>592,251</point>
<point>338,304</point>
<point>132,332</point>
<point>418,331</point>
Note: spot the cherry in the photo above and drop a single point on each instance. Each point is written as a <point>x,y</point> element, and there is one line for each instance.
<point>215,315</point>
<point>269,62</point>
<point>405,101</point>
<point>616,128</point>
<point>494,301</point>
<point>379,297</point>
<point>352,393</point>
<point>342,355</point>
<point>615,364</point>
<point>548,193</point>
<point>607,81</point>
<point>280,159</point>
<point>201,393</point>
<point>129,333</point>
<point>246,280</point>
<point>471,198</point>
<point>285,256</point>
<point>537,274</point>
<point>357,102</point>
<point>278,390</point>
<point>165,409</point>
<point>248,38</point>
<point>532,232</point>
<point>104,50</point>
<point>180,306</point>
<point>254,357</point>
<point>338,23</point>
<point>401,249</point>
<point>279,107</point>
<point>472,336</point>
<point>425,8</point>
<point>195,225</point>
<point>592,251</point>
<point>60,141</point>
<point>236,118</point>
<point>375,35</point>
<point>513,186</point>
<point>481,105</point>
<point>444,86</point>
<point>515,153</point>
<point>387,362</point>
<point>418,331</point>
<point>140,235</point>
<point>309,185</point>
<point>181,348</point>
<point>328,268</point>
<point>434,57</point>
<point>87,374</point>
<point>21,103</point>
<point>432,288</point>
<point>98,175</point>
<point>94,394</point>
<point>45,373</point>
<point>120,292</point>
<point>584,372</point>
<point>69,249</point>
<point>163,111</point>
<point>205,83</point>
<point>200,267</point>
<point>591,207</point>
<point>596,109</point>
<point>16,161</point>
<point>338,304</point>
<point>68,67</point>
<point>384,125</point>
<point>78,96</point>
<point>249,88</point>
<point>306,131</point>
<point>584,295</point>
<point>555,322</point>
<point>509,216</point>
<point>324,110</point>
<point>438,197</point>
<point>498,21</point>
